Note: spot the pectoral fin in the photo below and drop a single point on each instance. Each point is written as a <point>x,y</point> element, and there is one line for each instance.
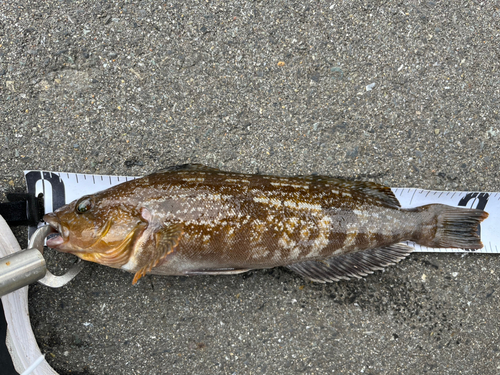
<point>157,247</point>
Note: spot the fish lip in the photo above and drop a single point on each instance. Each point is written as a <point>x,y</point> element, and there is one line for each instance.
<point>58,240</point>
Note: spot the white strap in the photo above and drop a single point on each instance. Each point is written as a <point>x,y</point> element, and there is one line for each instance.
<point>20,338</point>
<point>34,365</point>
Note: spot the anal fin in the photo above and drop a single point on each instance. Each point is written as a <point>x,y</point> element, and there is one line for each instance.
<point>353,265</point>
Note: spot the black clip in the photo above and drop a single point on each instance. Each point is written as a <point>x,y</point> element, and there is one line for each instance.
<point>22,209</point>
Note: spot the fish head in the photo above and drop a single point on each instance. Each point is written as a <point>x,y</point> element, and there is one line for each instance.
<point>96,228</point>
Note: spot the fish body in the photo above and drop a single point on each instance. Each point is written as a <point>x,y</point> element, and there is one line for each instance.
<point>192,219</point>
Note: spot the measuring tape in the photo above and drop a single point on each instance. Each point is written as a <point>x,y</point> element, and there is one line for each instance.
<point>61,188</point>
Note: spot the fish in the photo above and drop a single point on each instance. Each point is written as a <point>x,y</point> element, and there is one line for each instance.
<point>196,220</point>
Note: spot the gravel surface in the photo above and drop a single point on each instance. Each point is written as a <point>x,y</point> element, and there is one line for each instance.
<point>401,93</point>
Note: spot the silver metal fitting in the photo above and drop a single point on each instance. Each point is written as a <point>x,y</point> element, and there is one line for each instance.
<point>27,266</point>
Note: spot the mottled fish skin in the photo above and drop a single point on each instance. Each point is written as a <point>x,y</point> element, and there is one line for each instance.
<point>221,222</point>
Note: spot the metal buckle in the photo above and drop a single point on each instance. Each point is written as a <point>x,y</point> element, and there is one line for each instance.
<point>37,241</point>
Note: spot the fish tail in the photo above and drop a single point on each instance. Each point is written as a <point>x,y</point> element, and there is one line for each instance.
<point>447,226</point>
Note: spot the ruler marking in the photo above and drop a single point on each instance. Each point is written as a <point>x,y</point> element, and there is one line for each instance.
<point>473,202</point>
<point>43,186</point>
<point>414,191</point>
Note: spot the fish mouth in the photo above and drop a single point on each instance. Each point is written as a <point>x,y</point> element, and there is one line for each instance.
<point>55,239</point>
<point>60,240</point>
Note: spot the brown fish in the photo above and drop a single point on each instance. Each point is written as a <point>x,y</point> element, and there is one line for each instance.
<point>192,220</point>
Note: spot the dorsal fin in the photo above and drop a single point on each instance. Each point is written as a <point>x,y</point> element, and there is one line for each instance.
<point>373,189</point>
<point>189,167</point>
<point>382,192</point>
<point>357,265</point>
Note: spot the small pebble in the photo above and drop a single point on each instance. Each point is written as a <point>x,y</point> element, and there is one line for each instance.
<point>338,72</point>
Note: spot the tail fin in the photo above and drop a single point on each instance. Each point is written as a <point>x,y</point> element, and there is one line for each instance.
<point>455,227</point>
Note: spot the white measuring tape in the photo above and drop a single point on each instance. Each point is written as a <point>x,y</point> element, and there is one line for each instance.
<point>61,188</point>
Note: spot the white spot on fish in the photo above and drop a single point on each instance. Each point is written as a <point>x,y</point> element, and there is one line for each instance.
<point>272,202</point>
<point>258,228</point>
<point>260,252</point>
<point>280,184</point>
<point>302,205</point>
<point>352,231</point>
<point>290,224</point>
<point>321,241</point>
<point>286,242</point>
<point>295,253</point>
<point>304,234</point>
<point>237,181</point>
<point>277,256</point>
<point>193,179</point>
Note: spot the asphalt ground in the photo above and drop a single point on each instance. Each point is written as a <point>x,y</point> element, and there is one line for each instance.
<point>402,93</point>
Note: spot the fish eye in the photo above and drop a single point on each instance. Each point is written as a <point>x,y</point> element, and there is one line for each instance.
<point>83,205</point>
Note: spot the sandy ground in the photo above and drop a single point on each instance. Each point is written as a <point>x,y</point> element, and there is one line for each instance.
<point>401,93</point>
